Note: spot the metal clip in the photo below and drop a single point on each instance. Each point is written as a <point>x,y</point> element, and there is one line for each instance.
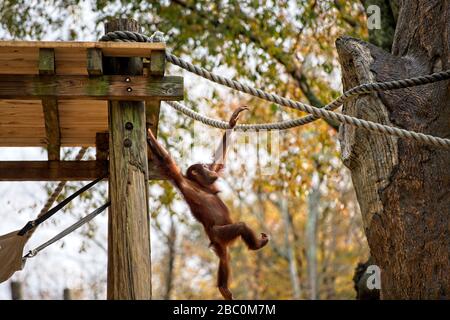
<point>31,254</point>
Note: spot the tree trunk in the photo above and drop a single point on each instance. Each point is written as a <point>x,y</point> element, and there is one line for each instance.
<point>290,249</point>
<point>403,186</point>
<point>311,238</point>
<point>171,254</point>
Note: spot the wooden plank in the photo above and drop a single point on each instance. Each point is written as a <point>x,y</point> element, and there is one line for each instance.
<point>52,170</point>
<point>26,142</point>
<point>50,106</point>
<point>59,170</point>
<point>129,258</point>
<point>71,62</point>
<point>80,120</point>
<point>112,87</point>
<point>70,59</point>
<point>109,49</point>
<point>94,62</point>
<point>21,113</point>
<point>22,123</point>
<point>15,61</point>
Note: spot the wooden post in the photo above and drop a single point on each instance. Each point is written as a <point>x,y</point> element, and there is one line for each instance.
<point>50,105</point>
<point>129,264</point>
<point>67,294</point>
<point>16,290</point>
<point>101,146</point>
<point>157,69</point>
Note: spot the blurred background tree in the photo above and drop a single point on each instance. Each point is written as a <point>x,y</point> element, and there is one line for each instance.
<point>308,205</point>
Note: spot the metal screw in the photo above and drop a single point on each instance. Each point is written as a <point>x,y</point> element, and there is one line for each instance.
<point>127,79</point>
<point>127,143</point>
<point>129,126</point>
<point>129,89</point>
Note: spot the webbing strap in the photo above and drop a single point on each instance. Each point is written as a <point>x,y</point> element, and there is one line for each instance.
<point>34,223</point>
<point>67,231</point>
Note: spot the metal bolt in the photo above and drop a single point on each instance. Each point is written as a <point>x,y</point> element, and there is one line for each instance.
<point>129,126</point>
<point>127,79</point>
<point>127,143</point>
<point>129,89</point>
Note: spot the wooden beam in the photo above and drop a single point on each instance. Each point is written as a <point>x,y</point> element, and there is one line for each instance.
<point>152,109</point>
<point>50,106</point>
<point>60,170</point>
<point>110,49</point>
<point>101,145</point>
<point>111,87</point>
<point>52,170</point>
<point>153,106</point>
<point>129,257</point>
<point>157,63</point>
<point>94,62</point>
<point>46,61</point>
<point>52,129</point>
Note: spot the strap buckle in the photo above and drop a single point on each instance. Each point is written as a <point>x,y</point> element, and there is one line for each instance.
<point>31,254</point>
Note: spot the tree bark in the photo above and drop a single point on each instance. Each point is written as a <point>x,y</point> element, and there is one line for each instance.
<point>402,186</point>
<point>171,254</point>
<point>290,249</point>
<point>311,239</point>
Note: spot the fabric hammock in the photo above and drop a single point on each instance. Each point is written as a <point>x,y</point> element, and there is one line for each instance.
<point>13,243</point>
<point>11,249</point>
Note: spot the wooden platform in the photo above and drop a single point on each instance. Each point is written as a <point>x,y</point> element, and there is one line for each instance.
<point>22,121</point>
<point>22,57</point>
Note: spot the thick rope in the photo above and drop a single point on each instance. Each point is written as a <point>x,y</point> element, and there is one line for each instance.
<point>315,112</point>
<point>219,124</point>
<point>378,128</point>
<point>358,90</point>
